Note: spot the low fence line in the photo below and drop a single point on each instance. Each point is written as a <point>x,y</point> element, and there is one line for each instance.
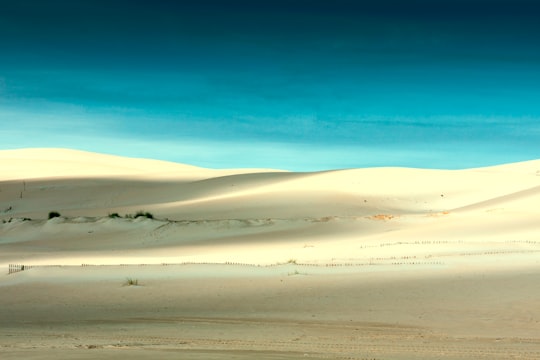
<point>15,268</point>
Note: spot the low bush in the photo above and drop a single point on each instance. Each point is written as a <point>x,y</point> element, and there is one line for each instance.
<point>144,214</point>
<point>54,214</point>
<point>132,282</point>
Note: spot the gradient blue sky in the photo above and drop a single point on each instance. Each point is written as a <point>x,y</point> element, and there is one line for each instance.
<point>296,84</point>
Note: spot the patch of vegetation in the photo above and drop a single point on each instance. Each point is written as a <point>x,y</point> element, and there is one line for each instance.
<point>292,261</point>
<point>132,282</point>
<point>114,215</point>
<point>296,272</point>
<point>54,214</point>
<point>144,214</point>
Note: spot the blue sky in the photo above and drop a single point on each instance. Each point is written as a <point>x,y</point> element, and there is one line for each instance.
<point>297,84</point>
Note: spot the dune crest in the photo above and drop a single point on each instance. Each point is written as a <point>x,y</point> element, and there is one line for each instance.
<point>47,163</point>
<point>390,262</point>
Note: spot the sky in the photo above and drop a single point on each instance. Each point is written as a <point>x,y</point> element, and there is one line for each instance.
<point>291,84</point>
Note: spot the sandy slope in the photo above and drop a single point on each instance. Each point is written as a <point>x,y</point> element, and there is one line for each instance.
<point>365,263</point>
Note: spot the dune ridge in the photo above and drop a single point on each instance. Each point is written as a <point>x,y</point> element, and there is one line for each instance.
<point>433,258</point>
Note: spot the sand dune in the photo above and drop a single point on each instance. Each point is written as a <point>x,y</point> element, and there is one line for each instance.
<point>361,263</point>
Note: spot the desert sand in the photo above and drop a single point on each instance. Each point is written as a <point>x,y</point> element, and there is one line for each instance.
<point>379,263</point>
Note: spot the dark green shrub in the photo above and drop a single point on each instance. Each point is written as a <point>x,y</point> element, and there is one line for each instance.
<point>144,214</point>
<point>53,214</point>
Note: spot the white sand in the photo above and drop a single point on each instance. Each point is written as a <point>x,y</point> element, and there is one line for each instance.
<point>375,263</point>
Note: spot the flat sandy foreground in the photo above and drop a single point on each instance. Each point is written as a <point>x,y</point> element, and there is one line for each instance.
<point>381,263</point>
